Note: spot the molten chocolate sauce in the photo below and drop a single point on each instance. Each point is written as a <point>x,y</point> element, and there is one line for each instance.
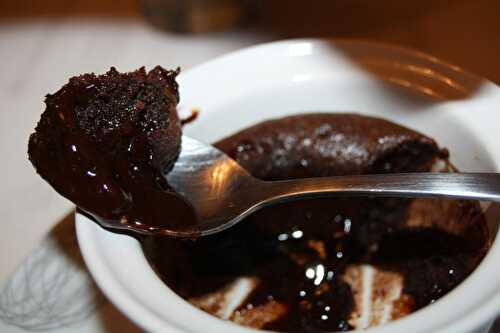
<point>299,251</point>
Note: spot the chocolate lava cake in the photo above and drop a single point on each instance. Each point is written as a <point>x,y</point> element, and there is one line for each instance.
<point>107,141</point>
<point>303,266</point>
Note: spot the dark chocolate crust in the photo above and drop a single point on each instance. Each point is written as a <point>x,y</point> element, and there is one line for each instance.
<point>321,144</point>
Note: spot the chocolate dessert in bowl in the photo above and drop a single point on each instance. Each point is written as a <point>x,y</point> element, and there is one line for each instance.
<point>310,266</point>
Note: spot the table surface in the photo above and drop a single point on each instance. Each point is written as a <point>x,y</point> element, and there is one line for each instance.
<point>42,46</point>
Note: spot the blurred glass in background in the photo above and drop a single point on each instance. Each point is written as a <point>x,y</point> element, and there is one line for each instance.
<point>198,16</point>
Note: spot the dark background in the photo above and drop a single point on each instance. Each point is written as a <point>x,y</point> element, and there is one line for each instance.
<point>464,32</point>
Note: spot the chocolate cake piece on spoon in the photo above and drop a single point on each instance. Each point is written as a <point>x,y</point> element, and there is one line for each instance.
<point>106,141</point>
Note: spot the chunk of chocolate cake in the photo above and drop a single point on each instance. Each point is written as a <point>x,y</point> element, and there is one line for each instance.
<point>106,141</point>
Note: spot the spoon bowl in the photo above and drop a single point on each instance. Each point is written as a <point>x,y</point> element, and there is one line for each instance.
<point>222,193</point>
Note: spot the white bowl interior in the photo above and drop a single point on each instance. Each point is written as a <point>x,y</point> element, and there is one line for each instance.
<point>284,78</point>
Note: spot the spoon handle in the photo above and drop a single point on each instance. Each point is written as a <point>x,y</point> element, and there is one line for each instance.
<point>474,186</point>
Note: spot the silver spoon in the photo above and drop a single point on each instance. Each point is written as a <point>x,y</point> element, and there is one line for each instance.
<point>223,193</point>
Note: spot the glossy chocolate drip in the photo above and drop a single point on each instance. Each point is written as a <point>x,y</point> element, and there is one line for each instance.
<point>299,251</point>
<point>105,142</point>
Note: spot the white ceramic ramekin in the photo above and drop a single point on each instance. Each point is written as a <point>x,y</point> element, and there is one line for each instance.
<point>278,79</point>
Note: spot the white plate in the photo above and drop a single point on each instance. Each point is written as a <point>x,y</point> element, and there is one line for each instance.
<point>277,79</point>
